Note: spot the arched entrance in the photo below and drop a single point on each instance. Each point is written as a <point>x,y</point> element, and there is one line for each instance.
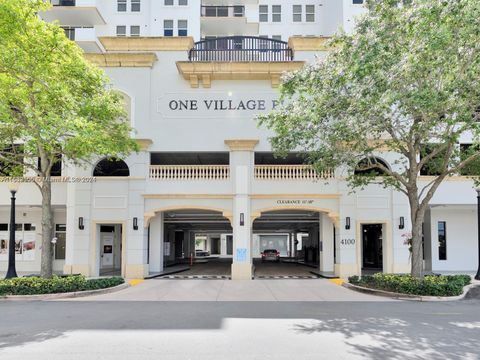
<point>303,240</point>
<point>197,239</point>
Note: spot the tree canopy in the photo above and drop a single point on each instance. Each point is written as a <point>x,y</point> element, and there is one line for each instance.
<point>53,104</point>
<point>405,82</point>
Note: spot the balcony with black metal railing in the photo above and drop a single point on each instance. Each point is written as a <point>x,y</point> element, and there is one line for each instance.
<point>240,48</point>
<point>237,58</point>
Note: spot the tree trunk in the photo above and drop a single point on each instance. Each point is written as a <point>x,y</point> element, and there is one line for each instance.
<point>46,268</point>
<point>417,215</point>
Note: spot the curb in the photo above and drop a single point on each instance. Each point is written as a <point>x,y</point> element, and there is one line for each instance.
<point>409,297</point>
<point>75,294</point>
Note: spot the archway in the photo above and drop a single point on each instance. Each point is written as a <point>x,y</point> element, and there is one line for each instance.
<point>371,166</point>
<point>292,242</point>
<point>111,167</point>
<point>198,240</point>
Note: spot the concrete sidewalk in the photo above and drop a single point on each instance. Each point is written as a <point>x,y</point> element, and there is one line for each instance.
<point>228,290</point>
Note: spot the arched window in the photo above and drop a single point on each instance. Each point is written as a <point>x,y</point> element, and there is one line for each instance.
<point>111,167</point>
<point>369,167</point>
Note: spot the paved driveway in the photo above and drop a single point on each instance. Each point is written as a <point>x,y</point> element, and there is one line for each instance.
<point>228,290</point>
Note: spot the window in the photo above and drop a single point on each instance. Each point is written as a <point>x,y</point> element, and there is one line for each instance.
<point>371,167</point>
<point>277,37</point>
<point>135,5</point>
<point>276,13</point>
<point>111,167</point>
<point>121,30</point>
<point>167,27</point>
<point>182,27</point>
<point>134,30</point>
<point>297,13</point>
<point>238,11</point>
<point>433,166</point>
<point>357,2</point>
<point>56,169</point>
<point>310,13</point>
<point>69,32</point>
<point>472,168</point>
<point>121,5</point>
<point>442,240</point>
<point>168,2</point>
<point>222,11</point>
<point>59,247</point>
<point>183,2</point>
<point>263,13</point>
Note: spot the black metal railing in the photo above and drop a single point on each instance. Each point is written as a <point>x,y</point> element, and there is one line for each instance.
<point>223,11</point>
<point>63,2</point>
<point>240,48</point>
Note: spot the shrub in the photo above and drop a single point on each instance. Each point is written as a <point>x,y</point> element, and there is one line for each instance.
<point>430,285</point>
<point>37,285</point>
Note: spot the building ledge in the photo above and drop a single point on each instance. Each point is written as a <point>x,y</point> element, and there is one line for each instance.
<point>310,43</point>
<point>161,43</point>
<point>122,59</point>
<point>205,72</point>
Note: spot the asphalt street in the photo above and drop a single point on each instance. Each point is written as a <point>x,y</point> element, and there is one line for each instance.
<point>119,330</point>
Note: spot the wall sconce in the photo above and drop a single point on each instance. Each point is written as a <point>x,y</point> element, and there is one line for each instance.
<point>401,225</point>
<point>242,219</point>
<point>347,223</point>
<point>135,223</point>
<point>80,223</point>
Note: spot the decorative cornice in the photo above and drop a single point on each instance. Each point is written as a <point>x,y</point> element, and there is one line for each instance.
<point>208,71</point>
<point>188,196</point>
<point>310,43</point>
<point>122,59</point>
<point>167,43</point>
<point>144,143</point>
<point>242,144</point>
<point>294,196</point>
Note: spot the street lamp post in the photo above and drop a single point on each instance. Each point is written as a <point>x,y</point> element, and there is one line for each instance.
<point>477,277</point>
<point>12,272</point>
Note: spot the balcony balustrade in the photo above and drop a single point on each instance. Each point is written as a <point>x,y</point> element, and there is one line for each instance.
<point>241,49</point>
<point>290,172</point>
<point>189,172</point>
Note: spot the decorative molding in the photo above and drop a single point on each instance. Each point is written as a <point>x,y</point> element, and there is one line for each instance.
<point>450,178</point>
<point>207,71</point>
<point>309,43</point>
<point>149,215</point>
<point>242,144</point>
<point>144,143</point>
<point>159,43</point>
<point>188,196</point>
<point>295,196</point>
<point>122,59</point>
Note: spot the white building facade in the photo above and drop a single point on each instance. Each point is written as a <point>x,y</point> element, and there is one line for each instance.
<point>206,178</point>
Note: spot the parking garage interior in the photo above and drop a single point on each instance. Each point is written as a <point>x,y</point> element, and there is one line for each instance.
<point>203,241</point>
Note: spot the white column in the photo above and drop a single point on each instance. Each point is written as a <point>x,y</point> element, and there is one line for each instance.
<point>241,167</point>
<point>156,244</point>
<point>326,237</point>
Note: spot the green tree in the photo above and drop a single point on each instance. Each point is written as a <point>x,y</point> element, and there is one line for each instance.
<point>407,79</point>
<point>53,104</point>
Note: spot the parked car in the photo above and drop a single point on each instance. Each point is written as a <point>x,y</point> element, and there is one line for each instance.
<point>270,255</point>
<point>202,253</point>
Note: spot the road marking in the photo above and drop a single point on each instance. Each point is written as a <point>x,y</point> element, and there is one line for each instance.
<point>337,281</point>
<point>135,282</point>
